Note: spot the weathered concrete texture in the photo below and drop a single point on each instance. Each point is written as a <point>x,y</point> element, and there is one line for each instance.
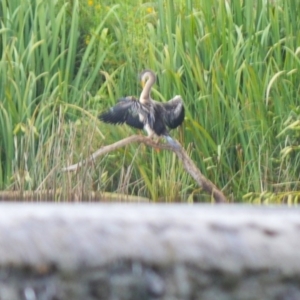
<point>112,252</point>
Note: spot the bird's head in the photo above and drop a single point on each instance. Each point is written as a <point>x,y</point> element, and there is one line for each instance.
<point>147,75</point>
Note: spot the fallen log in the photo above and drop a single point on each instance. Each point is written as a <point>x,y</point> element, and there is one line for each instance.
<point>57,195</point>
<point>125,251</point>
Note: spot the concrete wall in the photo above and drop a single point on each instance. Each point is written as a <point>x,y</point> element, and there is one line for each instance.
<point>112,252</point>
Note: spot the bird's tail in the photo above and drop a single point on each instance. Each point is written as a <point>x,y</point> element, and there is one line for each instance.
<point>172,142</point>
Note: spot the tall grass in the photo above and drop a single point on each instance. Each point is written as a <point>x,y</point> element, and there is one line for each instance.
<point>42,86</point>
<point>236,64</point>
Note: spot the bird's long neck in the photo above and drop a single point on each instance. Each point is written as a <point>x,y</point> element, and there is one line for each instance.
<point>145,94</point>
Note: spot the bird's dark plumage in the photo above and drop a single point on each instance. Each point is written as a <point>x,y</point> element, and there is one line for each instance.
<point>172,111</point>
<point>145,113</point>
<point>125,111</point>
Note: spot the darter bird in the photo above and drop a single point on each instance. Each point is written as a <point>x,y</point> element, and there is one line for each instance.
<point>145,113</point>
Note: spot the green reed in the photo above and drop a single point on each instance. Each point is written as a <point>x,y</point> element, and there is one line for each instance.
<point>236,64</point>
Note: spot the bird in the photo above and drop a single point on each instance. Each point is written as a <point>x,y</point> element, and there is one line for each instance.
<point>145,113</point>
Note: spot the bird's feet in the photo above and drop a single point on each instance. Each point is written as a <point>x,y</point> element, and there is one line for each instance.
<point>153,137</point>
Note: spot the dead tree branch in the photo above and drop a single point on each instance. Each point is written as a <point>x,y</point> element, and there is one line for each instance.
<point>187,162</point>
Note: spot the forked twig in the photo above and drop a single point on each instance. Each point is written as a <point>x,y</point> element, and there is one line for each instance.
<point>188,164</point>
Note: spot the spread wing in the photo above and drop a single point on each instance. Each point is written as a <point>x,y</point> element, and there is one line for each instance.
<point>173,111</point>
<point>125,111</point>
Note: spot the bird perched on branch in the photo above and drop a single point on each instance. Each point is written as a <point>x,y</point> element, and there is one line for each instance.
<point>145,113</point>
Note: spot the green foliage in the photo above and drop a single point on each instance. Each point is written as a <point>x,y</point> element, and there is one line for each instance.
<point>236,64</point>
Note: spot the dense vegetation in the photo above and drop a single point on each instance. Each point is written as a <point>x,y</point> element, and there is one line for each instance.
<point>236,64</point>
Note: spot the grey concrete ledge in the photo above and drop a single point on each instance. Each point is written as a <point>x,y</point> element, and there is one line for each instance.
<point>126,251</point>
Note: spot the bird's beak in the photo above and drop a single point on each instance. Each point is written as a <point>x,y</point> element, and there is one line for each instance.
<point>143,83</point>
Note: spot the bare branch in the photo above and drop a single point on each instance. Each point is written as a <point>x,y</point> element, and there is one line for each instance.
<point>187,162</point>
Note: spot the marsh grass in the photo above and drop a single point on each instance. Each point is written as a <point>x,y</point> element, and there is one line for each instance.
<point>236,64</point>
